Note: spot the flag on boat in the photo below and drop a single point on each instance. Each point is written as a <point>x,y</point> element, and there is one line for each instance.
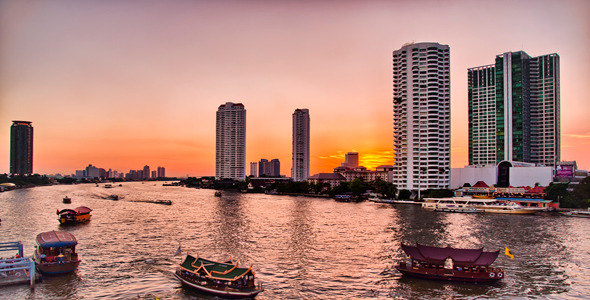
<point>177,251</point>
<point>507,253</point>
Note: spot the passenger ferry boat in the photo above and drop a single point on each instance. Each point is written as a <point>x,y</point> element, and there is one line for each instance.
<point>450,264</point>
<point>79,214</point>
<point>216,278</point>
<point>485,205</point>
<point>56,253</point>
<point>67,200</point>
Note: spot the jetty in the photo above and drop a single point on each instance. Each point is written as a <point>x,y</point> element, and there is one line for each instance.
<point>17,269</point>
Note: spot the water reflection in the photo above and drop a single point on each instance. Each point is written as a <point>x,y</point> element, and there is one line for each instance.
<point>232,226</point>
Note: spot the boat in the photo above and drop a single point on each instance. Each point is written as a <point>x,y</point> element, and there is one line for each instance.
<point>79,214</point>
<point>113,197</point>
<point>67,200</point>
<point>458,209</point>
<point>56,253</point>
<point>165,202</point>
<point>577,213</point>
<point>225,279</point>
<point>108,186</point>
<point>485,205</point>
<point>450,264</point>
<point>218,194</point>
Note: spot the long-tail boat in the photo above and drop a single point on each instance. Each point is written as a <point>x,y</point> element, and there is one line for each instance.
<point>221,279</point>
<point>79,214</point>
<point>56,253</point>
<point>450,264</point>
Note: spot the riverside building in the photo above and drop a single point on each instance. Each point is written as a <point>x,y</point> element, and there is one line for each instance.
<point>300,154</point>
<point>21,148</point>
<point>421,116</point>
<point>514,110</point>
<point>230,142</point>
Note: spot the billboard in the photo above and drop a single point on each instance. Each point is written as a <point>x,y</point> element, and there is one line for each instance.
<point>564,171</point>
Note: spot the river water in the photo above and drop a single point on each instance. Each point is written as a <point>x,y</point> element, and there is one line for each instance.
<point>300,248</point>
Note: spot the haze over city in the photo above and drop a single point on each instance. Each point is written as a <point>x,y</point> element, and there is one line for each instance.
<point>122,84</point>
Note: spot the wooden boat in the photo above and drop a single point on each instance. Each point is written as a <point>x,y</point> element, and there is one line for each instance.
<point>216,278</point>
<point>218,194</point>
<point>67,200</point>
<point>165,202</point>
<point>79,214</point>
<point>577,213</point>
<point>450,264</point>
<point>113,197</point>
<point>56,253</point>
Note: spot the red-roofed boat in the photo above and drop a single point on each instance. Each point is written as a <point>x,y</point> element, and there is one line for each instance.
<point>56,253</point>
<point>450,264</point>
<point>79,214</point>
<point>216,278</point>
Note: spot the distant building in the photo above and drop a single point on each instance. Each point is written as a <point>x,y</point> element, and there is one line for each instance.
<point>422,116</point>
<point>146,172</point>
<point>383,172</point>
<point>333,179</point>
<point>21,148</point>
<point>351,160</point>
<point>254,169</point>
<point>161,172</point>
<point>269,168</point>
<point>230,142</point>
<point>154,174</point>
<point>301,146</point>
<point>92,172</point>
<point>514,110</point>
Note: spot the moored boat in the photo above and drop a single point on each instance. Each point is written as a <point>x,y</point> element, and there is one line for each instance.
<point>485,205</point>
<point>67,200</point>
<point>216,278</point>
<point>577,213</point>
<point>450,264</point>
<point>218,194</point>
<point>56,253</point>
<point>79,214</point>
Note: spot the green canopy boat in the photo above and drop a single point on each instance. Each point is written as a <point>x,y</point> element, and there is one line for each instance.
<point>225,279</point>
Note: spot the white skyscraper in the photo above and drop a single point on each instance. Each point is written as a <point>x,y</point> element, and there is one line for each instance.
<point>300,169</point>
<point>230,142</point>
<point>421,116</point>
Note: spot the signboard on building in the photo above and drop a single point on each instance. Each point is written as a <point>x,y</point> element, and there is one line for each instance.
<point>564,171</point>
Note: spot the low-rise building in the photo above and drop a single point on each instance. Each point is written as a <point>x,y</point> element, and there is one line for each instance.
<point>333,179</point>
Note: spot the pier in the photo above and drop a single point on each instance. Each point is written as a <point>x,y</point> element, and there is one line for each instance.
<point>16,270</point>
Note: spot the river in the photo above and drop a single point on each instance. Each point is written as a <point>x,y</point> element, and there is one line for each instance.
<point>300,248</point>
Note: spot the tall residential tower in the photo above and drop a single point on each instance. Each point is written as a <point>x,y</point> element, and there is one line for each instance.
<point>230,142</point>
<point>421,116</point>
<point>300,168</point>
<point>514,110</point>
<point>21,148</point>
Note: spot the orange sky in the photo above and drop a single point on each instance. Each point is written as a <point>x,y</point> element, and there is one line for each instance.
<point>121,84</point>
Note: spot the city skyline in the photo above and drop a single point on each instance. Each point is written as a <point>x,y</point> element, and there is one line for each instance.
<point>122,83</point>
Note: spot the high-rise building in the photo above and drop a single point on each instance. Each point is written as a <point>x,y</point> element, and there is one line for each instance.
<point>300,168</point>
<point>263,167</point>
<point>514,110</point>
<point>254,169</point>
<point>230,142</point>
<point>421,116</point>
<point>351,160</point>
<point>146,172</point>
<point>161,172</point>
<point>274,166</point>
<point>21,148</point>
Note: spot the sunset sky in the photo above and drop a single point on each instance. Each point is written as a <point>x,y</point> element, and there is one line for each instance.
<point>124,83</point>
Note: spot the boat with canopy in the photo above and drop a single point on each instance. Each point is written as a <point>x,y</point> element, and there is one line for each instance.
<point>450,264</point>
<point>79,214</point>
<point>225,279</point>
<point>56,253</point>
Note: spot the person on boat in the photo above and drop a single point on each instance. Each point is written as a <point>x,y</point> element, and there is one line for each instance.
<point>449,263</point>
<point>60,258</point>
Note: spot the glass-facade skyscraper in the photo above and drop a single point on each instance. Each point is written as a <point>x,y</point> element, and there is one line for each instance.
<point>514,110</point>
<point>21,148</point>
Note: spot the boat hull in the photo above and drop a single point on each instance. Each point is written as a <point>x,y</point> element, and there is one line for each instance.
<point>54,268</point>
<point>250,293</point>
<point>77,219</point>
<point>452,275</point>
